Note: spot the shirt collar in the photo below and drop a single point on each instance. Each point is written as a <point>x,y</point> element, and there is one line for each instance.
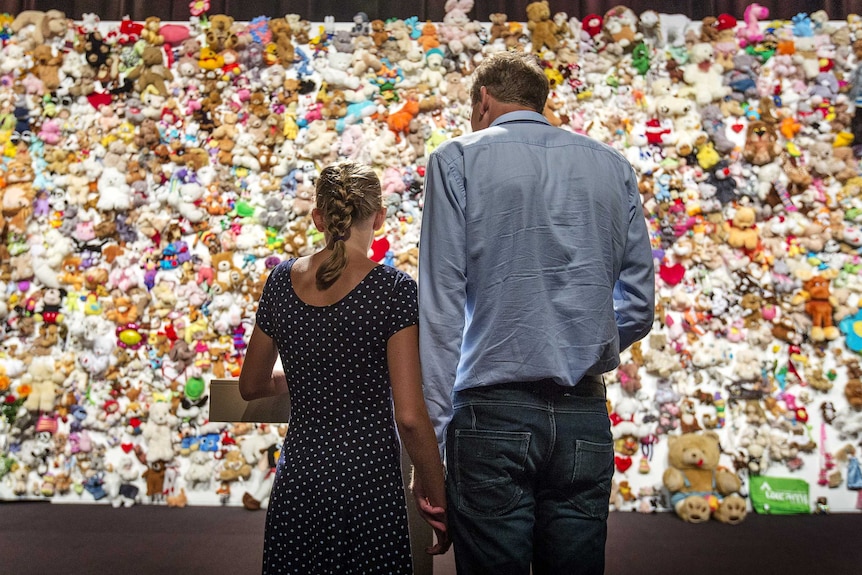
<point>521,116</point>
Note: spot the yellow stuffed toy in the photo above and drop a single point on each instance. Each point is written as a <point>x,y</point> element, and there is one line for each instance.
<point>743,233</point>
<point>543,31</point>
<point>699,488</point>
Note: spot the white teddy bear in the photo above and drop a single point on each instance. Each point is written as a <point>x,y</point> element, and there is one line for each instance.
<point>114,192</point>
<point>704,75</point>
<point>200,471</point>
<point>157,432</point>
<point>184,196</point>
<point>334,70</point>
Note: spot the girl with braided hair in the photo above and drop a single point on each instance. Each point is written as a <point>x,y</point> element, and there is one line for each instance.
<point>346,331</point>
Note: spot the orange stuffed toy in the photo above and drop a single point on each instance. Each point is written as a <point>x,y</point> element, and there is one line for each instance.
<point>819,305</point>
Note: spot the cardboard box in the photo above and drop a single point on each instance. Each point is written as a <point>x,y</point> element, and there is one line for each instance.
<point>227,405</point>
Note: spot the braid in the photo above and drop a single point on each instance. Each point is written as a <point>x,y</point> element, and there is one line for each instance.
<point>345,194</point>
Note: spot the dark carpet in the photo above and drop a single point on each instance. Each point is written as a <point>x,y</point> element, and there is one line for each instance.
<point>40,538</point>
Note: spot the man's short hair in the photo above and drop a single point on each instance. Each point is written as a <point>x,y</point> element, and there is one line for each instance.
<point>512,78</point>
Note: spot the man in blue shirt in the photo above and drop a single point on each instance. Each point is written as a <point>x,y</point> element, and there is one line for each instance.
<point>535,271</point>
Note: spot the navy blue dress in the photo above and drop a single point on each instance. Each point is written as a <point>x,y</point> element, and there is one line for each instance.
<point>337,503</point>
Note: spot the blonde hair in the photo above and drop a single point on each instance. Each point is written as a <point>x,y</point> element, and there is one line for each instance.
<point>347,192</point>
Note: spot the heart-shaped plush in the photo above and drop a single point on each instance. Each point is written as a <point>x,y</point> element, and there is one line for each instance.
<point>737,128</point>
<point>127,447</point>
<point>622,463</point>
<point>671,275</point>
<point>379,247</point>
<point>97,99</point>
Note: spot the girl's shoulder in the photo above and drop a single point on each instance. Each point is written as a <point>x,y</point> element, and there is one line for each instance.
<point>281,272</point>
<point>394,275</point>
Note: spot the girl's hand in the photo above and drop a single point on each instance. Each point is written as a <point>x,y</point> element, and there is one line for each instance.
<point>436,518</point>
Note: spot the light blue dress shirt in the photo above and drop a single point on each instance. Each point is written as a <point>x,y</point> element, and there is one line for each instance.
<point>534,260</point>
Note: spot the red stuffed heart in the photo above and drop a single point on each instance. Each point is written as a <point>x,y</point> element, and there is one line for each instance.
<point>671,275</point>
<point>622,462</point>
<point>737,128</point>
<point>127,447</point>
<point>379,247</point>
<point>97,100</point>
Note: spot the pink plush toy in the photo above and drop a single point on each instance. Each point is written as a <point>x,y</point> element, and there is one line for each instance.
<point>750,33</point>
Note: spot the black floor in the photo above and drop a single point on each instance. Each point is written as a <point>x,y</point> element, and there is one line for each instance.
<point>41,538</point>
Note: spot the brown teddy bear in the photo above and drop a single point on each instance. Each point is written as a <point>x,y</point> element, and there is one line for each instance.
<point>543,31</point>
<point>220,36</point>
<point>698,486</point>
<point>378,32</point>
<point>499,25</point>
<point>281,35</point>
<point>151,71</point>
<point>46,66</point>
<point>819,304</point>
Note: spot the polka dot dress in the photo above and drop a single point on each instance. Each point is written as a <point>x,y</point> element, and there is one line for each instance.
<point>337,503</point>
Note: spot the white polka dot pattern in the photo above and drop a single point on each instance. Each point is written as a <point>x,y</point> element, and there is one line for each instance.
<point>337,503</point>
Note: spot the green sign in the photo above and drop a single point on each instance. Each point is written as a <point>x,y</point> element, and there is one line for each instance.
<point>779,495</point>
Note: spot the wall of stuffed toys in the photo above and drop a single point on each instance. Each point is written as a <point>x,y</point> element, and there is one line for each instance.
<point>154,172</point>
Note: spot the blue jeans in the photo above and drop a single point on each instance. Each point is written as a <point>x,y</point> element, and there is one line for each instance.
<point>529,469</point>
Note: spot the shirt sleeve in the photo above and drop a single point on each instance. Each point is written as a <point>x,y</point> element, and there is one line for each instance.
<point>442,288</point>
<point>634,292</point>
<point>404,310</point>
<point>270,296</point>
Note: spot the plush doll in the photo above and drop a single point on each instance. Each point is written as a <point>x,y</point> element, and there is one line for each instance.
<point>543,31</point>
<point>698,486</point>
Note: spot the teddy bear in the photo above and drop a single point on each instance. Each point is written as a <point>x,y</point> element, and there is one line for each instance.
<point>151,72</point>
<point>621,28</point>
<point>155,478</point>
<point>698,486</point>
<point>44,381</point>
<point>46,66</point>
<point>19,195</point>
<point>245,152</point>
<point>46,24</point>
<point>335,70</point>
<point>321,143</point>
<point>220,36</point>
<point>543,31</point>
<point>819,304</point>
<point>234,467</point>
<point>761,143</point>
<point>114,192</point>
<point>157,431</point>
<point>742,233</point>
<point>704,75</point>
